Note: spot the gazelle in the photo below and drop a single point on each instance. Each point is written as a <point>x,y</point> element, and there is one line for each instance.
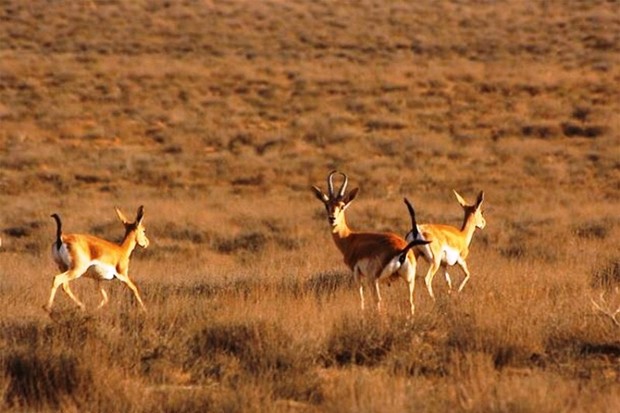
<point>75,254</point>
<point>449,245</point>
<point>372,256</point>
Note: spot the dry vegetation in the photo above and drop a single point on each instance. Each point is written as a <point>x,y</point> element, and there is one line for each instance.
<point>218,116</point>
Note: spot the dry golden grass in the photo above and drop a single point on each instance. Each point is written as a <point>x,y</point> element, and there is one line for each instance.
<point>219,116</point>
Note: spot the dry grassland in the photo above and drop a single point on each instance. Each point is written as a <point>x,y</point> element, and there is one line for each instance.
<point>218,116</point>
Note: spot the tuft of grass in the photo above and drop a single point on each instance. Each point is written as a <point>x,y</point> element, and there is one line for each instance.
<point>607,275</point>
<point>37,382</point>
<point>258,347</point>
<point>358,341</point>
<point>230,351</point>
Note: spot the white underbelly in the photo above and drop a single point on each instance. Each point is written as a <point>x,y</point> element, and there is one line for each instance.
<point>102,271</point>
<point>449,255</point>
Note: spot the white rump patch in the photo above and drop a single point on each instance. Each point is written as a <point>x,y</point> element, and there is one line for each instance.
<point>426,250</point>
<point>371,267</point>
<point>61,254</point>
<point>409,237</point>
<point>396,268</point>
<point>393,267</point>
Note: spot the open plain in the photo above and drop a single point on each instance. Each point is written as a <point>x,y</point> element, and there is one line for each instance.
<point>219,116</point>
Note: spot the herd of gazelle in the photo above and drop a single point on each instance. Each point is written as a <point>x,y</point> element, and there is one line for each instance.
<point>374,257</point>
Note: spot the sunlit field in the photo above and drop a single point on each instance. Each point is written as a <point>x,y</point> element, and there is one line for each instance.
<point>219,117</point>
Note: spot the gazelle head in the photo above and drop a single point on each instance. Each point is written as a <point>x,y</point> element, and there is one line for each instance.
<point>474,210</point>
<point>336,203</point>
<point>137,226</point>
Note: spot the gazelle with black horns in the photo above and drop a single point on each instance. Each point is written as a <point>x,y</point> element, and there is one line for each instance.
<point>373,257</point>
<point>75,254</point>
<point>448,245</point>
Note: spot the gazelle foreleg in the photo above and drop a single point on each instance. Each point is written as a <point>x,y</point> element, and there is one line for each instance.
<point>125,278</point>
<point>357,276</point>
<point>463,265</point>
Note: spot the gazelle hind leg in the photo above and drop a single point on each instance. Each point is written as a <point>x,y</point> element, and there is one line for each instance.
<point>67,289</point>
<point>428,279</point>
<point>62,279</point>
<point>104,294</point>
<point>411,286</point>
<point>448,279</point>
<point>410,280</point>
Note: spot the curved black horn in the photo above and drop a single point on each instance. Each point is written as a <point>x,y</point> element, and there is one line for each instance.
<point>344,185</point>
<point>330,183</point>
<point>414,226</point>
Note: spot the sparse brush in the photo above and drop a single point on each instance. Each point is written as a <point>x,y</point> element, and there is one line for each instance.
<point>220,116</point>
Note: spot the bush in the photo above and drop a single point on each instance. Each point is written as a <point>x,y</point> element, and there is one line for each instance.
<point>359,341</point>
<point>258,347</point>
<point>229,352</point>
<point>36,381</point>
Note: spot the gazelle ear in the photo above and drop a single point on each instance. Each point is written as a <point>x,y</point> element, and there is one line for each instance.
<point>350,196</point>
<point>319,194</point>
<point>459,198</point>
<point>480,199</point>
<point>121,216</point>
<point>140,214</point>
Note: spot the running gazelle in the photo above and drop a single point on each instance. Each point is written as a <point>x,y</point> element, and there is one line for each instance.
<point>75,254</point>
<point>448,245</point>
